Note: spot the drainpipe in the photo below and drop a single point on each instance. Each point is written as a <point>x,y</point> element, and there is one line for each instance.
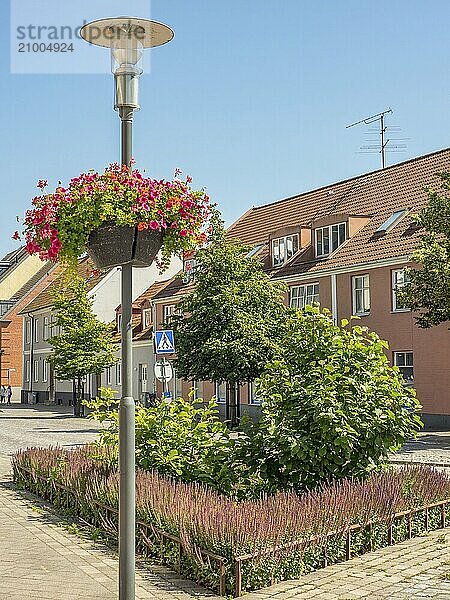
<point>334,303</point>
<point>30,390</point>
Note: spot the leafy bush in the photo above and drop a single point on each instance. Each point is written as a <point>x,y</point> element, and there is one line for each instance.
<point>333,407</point>
<point>178,438</point>
<point>204,520</point>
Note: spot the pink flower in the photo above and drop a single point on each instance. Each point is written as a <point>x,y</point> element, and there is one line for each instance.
<point>42,183</point>
<point>16,236</point>
<point>183,232</point>
<point>153,225</point>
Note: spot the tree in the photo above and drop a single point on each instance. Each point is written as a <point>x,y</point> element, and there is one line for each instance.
<point>84,345</point>
<point>428,290</point>
<point>332,406</point>
<point>226,329</point>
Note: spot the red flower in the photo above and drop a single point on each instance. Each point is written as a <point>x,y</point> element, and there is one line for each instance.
<point>153,225</point>
<point>183,232</point>
<point>42,183</point>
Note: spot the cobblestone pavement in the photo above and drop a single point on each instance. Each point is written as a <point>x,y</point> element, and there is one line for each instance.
<point>24,425</point>
<point>429,447</point>
<point>41,560</point>
<point>418,569</point>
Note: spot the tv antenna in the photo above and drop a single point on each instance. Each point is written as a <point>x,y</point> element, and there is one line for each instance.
<point>382,146</point>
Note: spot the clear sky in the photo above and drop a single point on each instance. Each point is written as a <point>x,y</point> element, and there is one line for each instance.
<point>251,98</point>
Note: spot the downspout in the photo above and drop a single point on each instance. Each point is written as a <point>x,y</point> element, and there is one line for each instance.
<point>334,302</point>
<point>30,390</point>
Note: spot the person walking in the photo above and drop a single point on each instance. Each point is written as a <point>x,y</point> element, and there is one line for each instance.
<point>2,394</point>
<point>9,394</point>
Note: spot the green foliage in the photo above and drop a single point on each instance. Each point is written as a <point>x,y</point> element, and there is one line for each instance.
<point>180,439</point>
<point>429,289</point>
<point>85,344</point>
<point>227,326</point>
<point>333,407</point>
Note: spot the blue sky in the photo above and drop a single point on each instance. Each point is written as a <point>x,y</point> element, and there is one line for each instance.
<point>251,98</point>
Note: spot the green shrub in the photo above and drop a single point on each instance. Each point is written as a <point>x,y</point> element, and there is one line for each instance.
<point>333,407</point>
<point>181,439</point>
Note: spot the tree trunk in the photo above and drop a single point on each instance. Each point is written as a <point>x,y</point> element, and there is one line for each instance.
<point>78,408</point>
<point>233,404</point>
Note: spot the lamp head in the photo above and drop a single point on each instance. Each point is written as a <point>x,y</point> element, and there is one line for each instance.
<point>127,37</point>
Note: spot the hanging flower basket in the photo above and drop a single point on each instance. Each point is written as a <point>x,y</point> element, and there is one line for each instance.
<point>111,245</point>
<point>118,217</point>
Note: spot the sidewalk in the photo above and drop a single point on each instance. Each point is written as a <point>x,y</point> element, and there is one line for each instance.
<point>41,560</point>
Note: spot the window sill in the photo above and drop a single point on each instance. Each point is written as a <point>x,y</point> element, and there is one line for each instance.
<point>400,310</point>
<point>365,314</point>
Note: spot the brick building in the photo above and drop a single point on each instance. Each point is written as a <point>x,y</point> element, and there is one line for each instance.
<point>22,277</point>
<point>345,246</point>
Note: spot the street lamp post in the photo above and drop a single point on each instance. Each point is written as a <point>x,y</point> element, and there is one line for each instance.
<point>127,38</point>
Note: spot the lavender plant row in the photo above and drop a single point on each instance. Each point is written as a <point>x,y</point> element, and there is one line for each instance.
<point>248,544</point>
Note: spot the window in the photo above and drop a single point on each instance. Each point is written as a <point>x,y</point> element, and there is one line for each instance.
<point>27,370</point>
<point>45,371</point>
<point>399,279</point>
<point>36,371</point>
<point>255,250</point>
<point>5,305</point>
<point>361,295</point>
<point>220,392</point>
<point>252,398</point>
<point>301,295</point>
<point>36,329</point>
<point>392,221</point>
<point>108,376</point>
<point>118,373</point>
<point>28,331</point>
<point>45,329</point>
<point>119,322</point>
<point>197,389</point>
<point>329,238</point>
<point>168,311</point>
<point>283,249</point>
<point>405,362</point>
<point>189,265</point>
<point>146,317</point>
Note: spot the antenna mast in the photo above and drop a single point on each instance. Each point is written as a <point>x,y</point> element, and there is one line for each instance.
<point>381,147</point>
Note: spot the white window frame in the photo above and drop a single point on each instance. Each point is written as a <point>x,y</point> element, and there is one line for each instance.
<point>27,370</point>
<point>119,322</point>
<point>329,235</point>
<point>168,311</point>
<point>401,356</point>
<point>45,335</point>
<point>365,289</point>
<point>301,295</point>
<point>118,373</point>
<point>36,329</point>
<point>45,371</point>
<point>28,330</point>
<point>146,317</point>
<point>395,286</point>
<point>217,393</point>
<point>252,399</point>
<point>281,252</point>
<point>35,371</point>
<point>108,375</point>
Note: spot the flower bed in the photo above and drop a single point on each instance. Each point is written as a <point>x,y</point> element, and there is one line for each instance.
<point>241,546</point>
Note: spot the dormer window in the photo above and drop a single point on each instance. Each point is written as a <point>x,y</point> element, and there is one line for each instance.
<point>284,248</point>
<point>146,317</point>
<point>329,238</point>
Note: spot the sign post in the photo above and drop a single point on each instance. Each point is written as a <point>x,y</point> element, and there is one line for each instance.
<point>164,344</point>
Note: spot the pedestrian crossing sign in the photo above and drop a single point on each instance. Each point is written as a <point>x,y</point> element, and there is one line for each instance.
<point>164,342</point>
